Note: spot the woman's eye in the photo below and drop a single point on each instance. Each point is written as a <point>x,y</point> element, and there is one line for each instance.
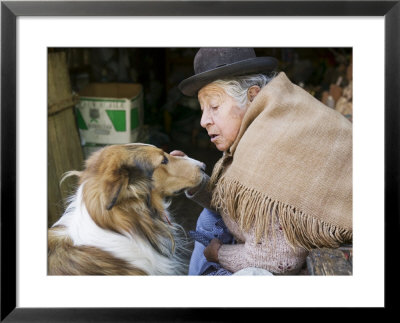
<point>165,160</point>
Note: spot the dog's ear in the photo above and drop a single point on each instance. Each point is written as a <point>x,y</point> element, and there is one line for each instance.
<point>138,175</point>
<point>116,189</point>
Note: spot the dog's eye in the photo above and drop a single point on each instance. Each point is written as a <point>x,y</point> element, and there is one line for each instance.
<point>165,160</point>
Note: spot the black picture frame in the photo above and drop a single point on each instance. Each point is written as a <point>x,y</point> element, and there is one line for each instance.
<point>10,10</point>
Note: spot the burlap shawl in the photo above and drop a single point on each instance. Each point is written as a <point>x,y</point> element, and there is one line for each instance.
<point>292,158</point>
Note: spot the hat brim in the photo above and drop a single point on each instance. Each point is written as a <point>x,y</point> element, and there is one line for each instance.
<point>193,84</point>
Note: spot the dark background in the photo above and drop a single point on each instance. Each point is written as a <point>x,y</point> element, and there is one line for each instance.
<point>160,70</point>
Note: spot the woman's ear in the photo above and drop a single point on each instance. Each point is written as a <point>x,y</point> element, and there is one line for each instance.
<point>252,92</point>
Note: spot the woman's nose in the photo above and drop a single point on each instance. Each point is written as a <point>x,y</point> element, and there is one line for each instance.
<point>205,119</point>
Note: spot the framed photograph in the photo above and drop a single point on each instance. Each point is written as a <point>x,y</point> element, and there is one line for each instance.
<point>30,28</point>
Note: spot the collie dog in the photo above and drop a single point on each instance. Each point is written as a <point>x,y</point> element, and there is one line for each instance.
<point>117,222</point>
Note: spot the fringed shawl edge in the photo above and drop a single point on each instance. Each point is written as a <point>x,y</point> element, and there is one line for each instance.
<point>251,209</point>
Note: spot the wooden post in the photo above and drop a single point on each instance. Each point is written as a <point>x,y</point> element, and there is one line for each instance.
<point>64,148</point>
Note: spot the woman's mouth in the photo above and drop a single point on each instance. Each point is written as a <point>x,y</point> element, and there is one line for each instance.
<point>213,137</point>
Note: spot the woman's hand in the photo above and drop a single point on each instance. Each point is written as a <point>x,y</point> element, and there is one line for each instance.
<point>211,251</point>
<point>178,153</point>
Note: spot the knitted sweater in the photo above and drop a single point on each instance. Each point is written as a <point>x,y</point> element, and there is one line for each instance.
<point>272,253</point>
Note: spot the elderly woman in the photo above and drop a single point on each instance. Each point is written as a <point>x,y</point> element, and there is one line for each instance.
<point>284,183</point>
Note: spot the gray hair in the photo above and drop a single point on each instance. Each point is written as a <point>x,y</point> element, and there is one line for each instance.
<point>237,87</point>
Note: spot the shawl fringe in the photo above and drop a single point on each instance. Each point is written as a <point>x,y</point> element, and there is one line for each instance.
<point>251,209</point>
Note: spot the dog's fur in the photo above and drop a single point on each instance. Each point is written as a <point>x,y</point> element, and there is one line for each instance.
<point>117,221</point>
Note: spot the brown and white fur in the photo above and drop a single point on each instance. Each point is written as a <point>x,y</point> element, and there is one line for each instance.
<point>117,221</point>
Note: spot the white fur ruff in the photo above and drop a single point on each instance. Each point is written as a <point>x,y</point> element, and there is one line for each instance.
<point>83,231</point>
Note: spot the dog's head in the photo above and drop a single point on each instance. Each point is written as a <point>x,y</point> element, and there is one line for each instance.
<point>134,171</point>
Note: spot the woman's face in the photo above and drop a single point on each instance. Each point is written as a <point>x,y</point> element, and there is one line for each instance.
<point>221,116</point>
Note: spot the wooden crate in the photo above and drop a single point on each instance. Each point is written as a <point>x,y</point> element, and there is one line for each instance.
<point>331,262</point>
<point>64,148</point>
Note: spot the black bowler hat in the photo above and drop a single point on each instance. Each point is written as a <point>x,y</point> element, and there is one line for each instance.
<point>211,64</point>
